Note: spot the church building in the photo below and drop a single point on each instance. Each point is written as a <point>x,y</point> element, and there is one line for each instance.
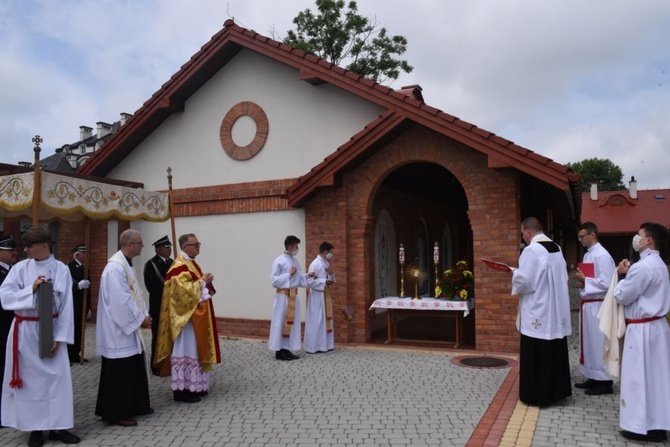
<point>266,141</point>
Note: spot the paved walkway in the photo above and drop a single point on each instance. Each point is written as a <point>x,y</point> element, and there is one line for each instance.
<point>366,395</point>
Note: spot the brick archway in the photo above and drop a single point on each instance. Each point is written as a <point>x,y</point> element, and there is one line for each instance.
<point>493,211</point>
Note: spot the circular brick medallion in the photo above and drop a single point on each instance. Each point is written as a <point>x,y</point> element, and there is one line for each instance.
<point>256,113</point>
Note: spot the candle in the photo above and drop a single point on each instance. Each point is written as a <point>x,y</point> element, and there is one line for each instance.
<point>401,254</point>
<point>436,253</point>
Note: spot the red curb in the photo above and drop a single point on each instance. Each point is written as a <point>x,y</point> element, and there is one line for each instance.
<point>491,427</point>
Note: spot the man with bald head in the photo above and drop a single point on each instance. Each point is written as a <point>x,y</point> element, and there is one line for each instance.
<point>123,392</point>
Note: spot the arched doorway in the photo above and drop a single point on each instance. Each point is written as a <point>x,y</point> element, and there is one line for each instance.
<point>425,204</point>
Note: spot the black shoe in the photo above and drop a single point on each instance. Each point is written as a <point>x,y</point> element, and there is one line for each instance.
<point>36,439</point>
<point>281,355</point>
<point>146,412</point>
<point>599,390</point>
<point>63,436</point>
<point>657,435</point>
<point>186,396</point>
<point>202,393</point>
<point>589,383</point>
<point>290,355</point>
<point>651,436</point>
<point>155,372</point>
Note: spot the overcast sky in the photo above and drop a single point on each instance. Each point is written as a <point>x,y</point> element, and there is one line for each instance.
<point>569,79</point>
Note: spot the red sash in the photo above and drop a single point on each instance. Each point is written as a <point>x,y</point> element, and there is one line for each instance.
<point>644,320</point>
<point>16,381</point>
<point>581,326</point>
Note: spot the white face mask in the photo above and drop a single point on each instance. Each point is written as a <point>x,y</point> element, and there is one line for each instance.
<point>329,256</point>
<point>636,243</point>
<point>295,252</point>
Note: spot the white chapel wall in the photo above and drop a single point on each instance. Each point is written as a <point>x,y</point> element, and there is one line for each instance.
<point>307,123</point>
<point>238,249</point>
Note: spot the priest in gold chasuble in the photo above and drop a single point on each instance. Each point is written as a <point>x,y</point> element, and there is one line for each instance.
<point>187,345</point>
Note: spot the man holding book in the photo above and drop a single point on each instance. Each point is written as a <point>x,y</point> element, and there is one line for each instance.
<point>594,276</point>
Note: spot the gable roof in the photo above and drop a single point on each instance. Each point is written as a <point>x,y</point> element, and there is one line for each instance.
<point>400,106</point>
<point>615,212</point>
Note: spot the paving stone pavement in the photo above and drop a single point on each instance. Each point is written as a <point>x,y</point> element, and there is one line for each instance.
<point>366,396</point>
<point>581,420</point>
<point>351,396</point>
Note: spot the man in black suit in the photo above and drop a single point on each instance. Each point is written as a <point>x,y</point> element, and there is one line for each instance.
<point>154,277</point>
<point>9,254</point>
<point>79,286</point>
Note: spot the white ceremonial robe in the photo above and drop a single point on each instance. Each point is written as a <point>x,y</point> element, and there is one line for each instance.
<point>282,279</point>
<point>119,316</point>
<point>542,282</point>
<point>45,400</point>
<point>591,337</point>
<point>645,384</point>
<point>317,337</point>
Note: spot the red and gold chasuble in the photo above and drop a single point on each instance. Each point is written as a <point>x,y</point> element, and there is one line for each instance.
<point>181,303</point>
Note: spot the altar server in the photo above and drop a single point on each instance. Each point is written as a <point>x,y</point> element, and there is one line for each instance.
<point>9,254</point>
<point>593,290</point>
<point>285,323</point>
<point>37,392</point>
<point>319,335</point>
<point>644,411</point>
<point>544,318</point>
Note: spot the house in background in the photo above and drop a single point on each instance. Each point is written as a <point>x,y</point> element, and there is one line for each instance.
<point>618,215</point>
<point>265,140</point>
<point>69,157</point>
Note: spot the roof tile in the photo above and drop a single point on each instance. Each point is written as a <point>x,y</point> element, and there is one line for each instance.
<point>625,215</point>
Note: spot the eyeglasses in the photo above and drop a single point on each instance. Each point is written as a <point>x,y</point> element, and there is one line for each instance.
<point>582,236</point>
<point>195,244</point>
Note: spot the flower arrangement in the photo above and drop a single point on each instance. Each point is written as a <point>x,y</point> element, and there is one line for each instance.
<point>457,282</point>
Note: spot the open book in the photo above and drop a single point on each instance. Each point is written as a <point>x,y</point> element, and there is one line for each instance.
<point>498,265</point>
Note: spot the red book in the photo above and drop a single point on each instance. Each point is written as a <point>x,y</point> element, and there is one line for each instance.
<point>497,265</point>
<point>588,269</point>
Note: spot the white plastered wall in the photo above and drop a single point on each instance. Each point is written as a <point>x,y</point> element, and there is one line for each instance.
<point>306,124</point>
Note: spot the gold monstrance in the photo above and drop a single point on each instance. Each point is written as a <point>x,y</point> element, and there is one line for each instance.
<point>416,274</point>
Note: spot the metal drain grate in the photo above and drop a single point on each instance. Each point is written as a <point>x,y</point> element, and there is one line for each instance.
<point>484,362</point>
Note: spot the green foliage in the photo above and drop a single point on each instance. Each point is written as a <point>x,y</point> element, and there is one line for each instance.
<point>602,171</point>
<point>345,36</point>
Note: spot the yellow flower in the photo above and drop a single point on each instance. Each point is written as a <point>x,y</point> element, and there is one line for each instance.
<point>463,294</point>
<point>467,273</point>
<point>438,291</point>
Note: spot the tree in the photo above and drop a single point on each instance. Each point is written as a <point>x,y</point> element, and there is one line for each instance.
<point>368,50</point>
<point>602,171</point>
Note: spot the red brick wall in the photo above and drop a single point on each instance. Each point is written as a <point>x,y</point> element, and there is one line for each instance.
<point>493,214</point>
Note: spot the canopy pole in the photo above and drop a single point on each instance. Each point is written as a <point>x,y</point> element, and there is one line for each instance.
<point>84,305</point>
<point>37,183</point>
<point>171,209</point>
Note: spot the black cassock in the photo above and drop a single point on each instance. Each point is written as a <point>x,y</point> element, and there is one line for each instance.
<point>154,277</point>
<point>77,273</point>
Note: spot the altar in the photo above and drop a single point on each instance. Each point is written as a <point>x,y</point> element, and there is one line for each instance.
<point>424,307</point>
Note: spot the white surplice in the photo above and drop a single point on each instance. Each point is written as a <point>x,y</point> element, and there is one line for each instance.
<point>45,400</point>
<point>591,337</point>
<point>282,279</point>
<point>317,337</point>
<point>645,366</point>
<point>542,282</point>
<point>119,315</point>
